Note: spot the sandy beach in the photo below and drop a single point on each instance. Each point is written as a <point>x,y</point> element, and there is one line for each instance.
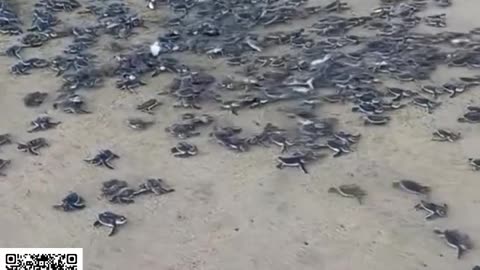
<point>233,210</point>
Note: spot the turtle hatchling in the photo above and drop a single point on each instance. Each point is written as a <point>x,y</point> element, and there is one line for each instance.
<point>444,135</point>
<point>42,123</point>
<point>103,159</point>
<point>377,120</point>
<point>470,117</point>
<point>349,191</point>
<point>32,146</point>
<point>34,99</point>
<point>3,164</point>
<point>475,163</point>
<point>183,150</point>
<point>149,105</point>
<point>138,124</point>
<point>154,185</point>
<point>434,210</point>
<point>292,161</point>
<point>5,139</point>
<point>456,240</point>
<point>412,187</point>
<point>425,103</point>
<point>124,195</point>
<point>71,202</point>
<point>109,219</point>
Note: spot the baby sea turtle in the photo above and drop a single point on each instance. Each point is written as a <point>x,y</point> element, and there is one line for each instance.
<point>432,90</point>
<point>32,146</point>
<point>377,120</point>
<point>3,163</point>
<point>475,163</point>
<point>111,220</point>
<point>425,103</point>
<point>470,117</point>
<point>154,185</point>
<point>292,161</point>
<point>339,147</point>
<point>280,140</point>
<point>149,105</point>
<point>71,202</point>
<point>434,210</point>
<point>112,187</point>
<point>42,123</point>
<point>103,159</point>
<point>34,99</point>
<point>73,104</point>
<point>183,150</point>
<point>456,240</point>
<point>412,187</point>
<point>5,139</point>
<point>139,124</point>
<point>124,195</point>
<point>349,191</point>
<point>443,135</point>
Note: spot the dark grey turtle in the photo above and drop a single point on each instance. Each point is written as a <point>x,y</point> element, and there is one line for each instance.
<point>377,120</point>
<point>473,108</point>
<point>3,164</point>
<point>434,210</point>
<point>292,161</point>
<point>184,149</point>
<point>71,202</point>
<point>412,187</point>
<point>399,93</point>
<point>154,185</point>
<point>475,163</point>
<point>139,124</point>
<point>124,195</point>
<point>338,147</point>
<point>34,99</point>
<point>454,88</point>
<point>425,103</point>
<point>349,191</point>
<point>281,140</point>
<point>347,138</point>
<point>14,51</point>
<point>112,187</point>
<point>149,105</point>
<point>5,139</point>
<point>73,104</point>
<point>432,90</point>
<point>42,123</point>
<point>445,135</point>
<point>470,117</point>
<point>455,239</point>
<point>368,108</point>
<point>103,159</point>
<point>32,146</point>
<point>110,220</point>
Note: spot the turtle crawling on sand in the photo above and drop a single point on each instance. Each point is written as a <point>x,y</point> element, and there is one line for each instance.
<point>444,135</point>
<point>109,219</point>
<point>349,191</point>
<point>456,240</point>
<point>103,159</point>
<point>434,210</point>
<point>412,187</point>
<point>71,202</point>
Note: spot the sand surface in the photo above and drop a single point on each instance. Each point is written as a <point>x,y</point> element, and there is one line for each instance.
<point>237,211</point>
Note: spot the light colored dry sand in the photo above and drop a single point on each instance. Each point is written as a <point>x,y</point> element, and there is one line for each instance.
<point>236,211</point>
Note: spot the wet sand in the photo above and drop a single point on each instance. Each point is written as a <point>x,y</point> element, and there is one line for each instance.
<point>237,211</point>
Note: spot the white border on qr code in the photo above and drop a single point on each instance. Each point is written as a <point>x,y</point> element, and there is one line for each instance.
<point>41,258</point>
